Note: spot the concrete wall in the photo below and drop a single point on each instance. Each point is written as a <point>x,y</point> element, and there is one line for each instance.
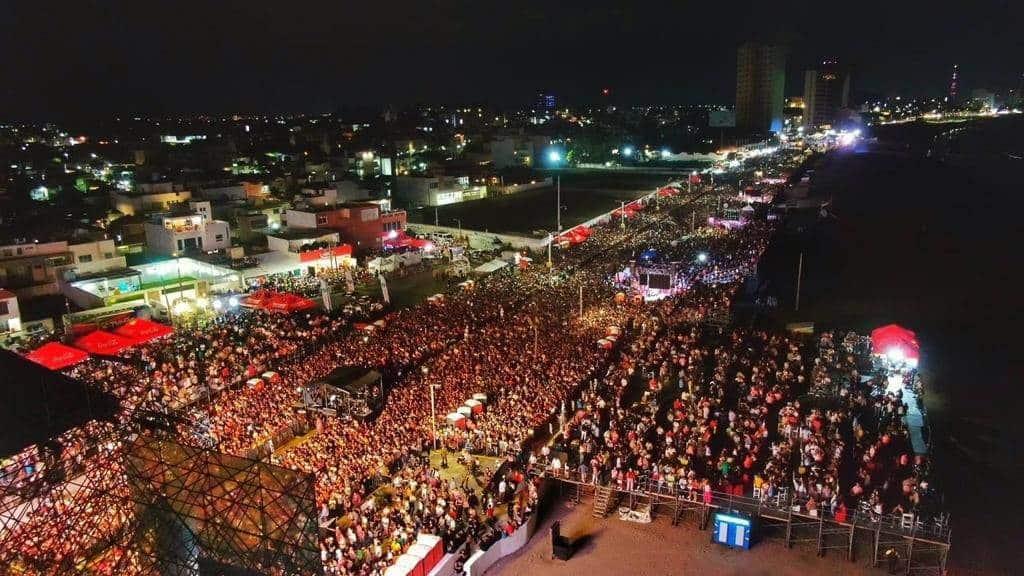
<point>300,219</point>
<point>515,188</point>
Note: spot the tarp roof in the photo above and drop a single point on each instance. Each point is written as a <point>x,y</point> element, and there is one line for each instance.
<point>895,339</point>
<point>278,301</point>
<point>103,343</point>
<point>288,302</point>
<point>492,266</point>
<point>57,356</point>
<point>140,330</point>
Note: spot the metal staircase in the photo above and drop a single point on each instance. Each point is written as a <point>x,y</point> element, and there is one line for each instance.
<point>604,500</point>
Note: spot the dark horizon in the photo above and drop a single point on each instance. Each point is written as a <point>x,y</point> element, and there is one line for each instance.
<point>96,59</point>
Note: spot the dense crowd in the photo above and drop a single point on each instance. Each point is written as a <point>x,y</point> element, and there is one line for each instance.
<point>368,535</point>
<point>676,405</point>
<point>689,409</point>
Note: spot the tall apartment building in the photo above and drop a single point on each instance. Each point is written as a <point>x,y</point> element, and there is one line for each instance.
<point>826,92</point>
<point>760,87</point>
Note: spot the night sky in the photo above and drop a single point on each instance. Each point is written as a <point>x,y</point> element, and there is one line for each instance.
<point>96,58</point>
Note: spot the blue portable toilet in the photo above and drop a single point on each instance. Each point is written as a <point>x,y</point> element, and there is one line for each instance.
<point>732,530</point>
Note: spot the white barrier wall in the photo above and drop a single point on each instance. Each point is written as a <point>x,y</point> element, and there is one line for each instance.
<point>481,560</point>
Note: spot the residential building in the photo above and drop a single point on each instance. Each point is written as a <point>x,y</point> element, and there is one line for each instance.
<point>364,225</point>
<point>32,269</point>
<point>546,101</point>
<point>149,198</point>
<point>10,316</point>
<point>252,219</point>
<point>96,256</point>
<point>437,190</point>
<point>178,233</point>
<point>760,85</point>
<point>516,151</point>
<point>826,93</point>
<point>237,192</point>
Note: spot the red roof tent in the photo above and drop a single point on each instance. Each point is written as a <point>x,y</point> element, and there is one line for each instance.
<point>288,302</point>
<point>140,330</point>
<point>894,339</point>
<point>103,343</point>
<point>57,356</point>
<point>341,250</point>
<point>668,191</point>
<point>401,240</point>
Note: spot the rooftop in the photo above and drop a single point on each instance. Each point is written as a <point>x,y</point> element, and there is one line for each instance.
<point>338,206</point>
<point>299,233</point>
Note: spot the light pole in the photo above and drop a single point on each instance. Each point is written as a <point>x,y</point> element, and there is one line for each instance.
<point>551,240</point>
<point>433,410</point>
<point>799,277</point>
<point>555,158</point>
<point>558,201</point>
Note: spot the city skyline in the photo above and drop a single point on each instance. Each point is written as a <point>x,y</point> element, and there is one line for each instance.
<point>89,60</point>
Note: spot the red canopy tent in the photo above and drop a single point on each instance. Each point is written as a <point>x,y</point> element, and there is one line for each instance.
<point>668,191</point>
<point>896,342</point>
<point>288,302</point>
<point>140,330</point>
<point>57,356</point>
<point>317,254</point>
<point>258,299</point>
<point>401,240</point>
<point>103,343</point>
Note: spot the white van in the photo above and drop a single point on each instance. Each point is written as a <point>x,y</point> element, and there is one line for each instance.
<point>442,238</point>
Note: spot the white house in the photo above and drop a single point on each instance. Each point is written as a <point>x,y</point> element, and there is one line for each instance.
<point>194,230</point>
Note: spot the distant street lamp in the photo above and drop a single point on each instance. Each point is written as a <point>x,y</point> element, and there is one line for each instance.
<point>555,159</point>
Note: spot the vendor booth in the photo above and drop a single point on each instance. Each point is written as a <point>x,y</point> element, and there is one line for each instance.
<point>103,343</point>
<point>140,330</point>
<point>896,343</point>
<point>57,356</point>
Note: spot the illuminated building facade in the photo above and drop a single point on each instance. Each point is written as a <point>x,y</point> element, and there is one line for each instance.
<point>826,92</point>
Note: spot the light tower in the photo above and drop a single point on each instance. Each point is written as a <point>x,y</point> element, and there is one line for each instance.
<point>954,84</point>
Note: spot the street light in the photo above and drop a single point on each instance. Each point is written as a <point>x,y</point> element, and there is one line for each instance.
<point>433,409</point>
<point>627,151</point>
<point>555,158</point>
<point>702,257</point>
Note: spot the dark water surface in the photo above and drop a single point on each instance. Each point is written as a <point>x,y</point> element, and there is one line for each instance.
<point>934,244</point>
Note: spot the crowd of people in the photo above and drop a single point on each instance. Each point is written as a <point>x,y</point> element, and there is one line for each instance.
<point>672,404</point>
<point>692,409</point>
<point>366,536</point>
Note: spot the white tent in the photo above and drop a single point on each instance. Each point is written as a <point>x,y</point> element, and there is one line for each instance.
<point>490,267</point>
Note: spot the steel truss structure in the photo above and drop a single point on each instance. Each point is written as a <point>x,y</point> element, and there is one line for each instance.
<point>199,508</point>
<point>156,507</point>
